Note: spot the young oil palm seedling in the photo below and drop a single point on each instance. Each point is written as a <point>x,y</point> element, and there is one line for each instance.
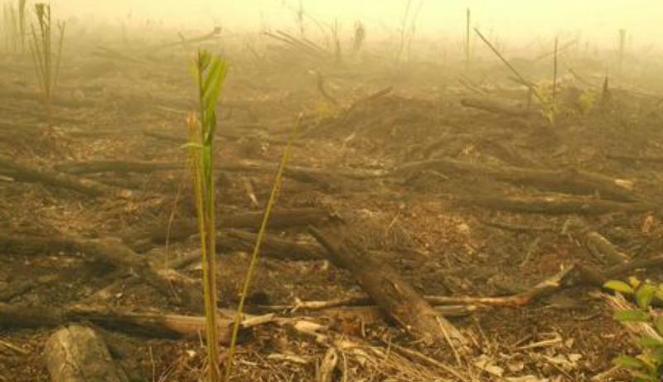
<point>647,323</point>
<point>248,278</point>
<point>210,72</point>
<point>46,61</point>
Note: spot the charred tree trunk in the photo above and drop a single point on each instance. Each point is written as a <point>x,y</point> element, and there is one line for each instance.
<point>396,298</point>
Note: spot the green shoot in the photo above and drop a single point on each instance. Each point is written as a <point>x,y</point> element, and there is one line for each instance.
<point>210,72</point>
<point>46,68</point>
<point>648,365</point>
<point>276,187</point>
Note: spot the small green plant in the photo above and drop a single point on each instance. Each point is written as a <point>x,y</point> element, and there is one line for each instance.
<point>210,73</point>
<point>248,279</point>
<point>648,365</point>
<point>47,62</point>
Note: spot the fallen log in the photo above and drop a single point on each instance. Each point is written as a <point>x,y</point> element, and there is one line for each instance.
<point>21,287</point>
<point>28,174</point>
<point>554,205</point>
<point>77,354</point>
<point>111,251</point>
<point>236,133</point>
<point>193,40</point>
<point>90,167</point>
<point>20,95</point>
<point>142,239</point>
<point>565,180</point>
<point>305,174</point>
<point>596,277</point>
<point>603,249</point>
<point>526,297</point>
<point>395,297</point>
<point>309,174</point>
<point>272,247</point>
<point>496,107</point>
<point>155,325</point>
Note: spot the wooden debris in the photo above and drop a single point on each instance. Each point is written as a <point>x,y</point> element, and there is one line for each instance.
<point>603,249</point>
<point>328,366</point>
<point>390,292</point>
<point>540,290</point>
<point>272,246</point>
<point>596,277</point>
<point>77,354</point>
<point>155,325</point>
<point>212,35</point>
<point>304,174</point>
<point>108,250</point>
<point>554,205</point>
<point>24,173</point>
<point>496,107</point>
<point>143,239</point>
<point>92,167</point>
<point>14,348</point>
<point>565,180</point>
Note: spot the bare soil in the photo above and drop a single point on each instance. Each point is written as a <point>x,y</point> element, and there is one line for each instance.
<point>129,101</point>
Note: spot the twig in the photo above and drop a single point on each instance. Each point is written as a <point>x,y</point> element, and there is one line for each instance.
<point>430,361</point>
<point>508,65</point>
<point>13,347</point>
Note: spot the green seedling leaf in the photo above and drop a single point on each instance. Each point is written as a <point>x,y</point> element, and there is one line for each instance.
<point>658,324</point>
<point>635,283</point>
<point>214,81</point>
<point>657,354</point>
<point>642,377</point>
<point>632,316</point>
<point>619,286</point>
<point>204,58</point>
<point>629,362</point>
<point>645,295</point>
<point>651,342</point>
<point>659,292</point>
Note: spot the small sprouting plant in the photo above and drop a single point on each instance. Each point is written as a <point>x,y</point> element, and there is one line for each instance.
<point>588,101</point>
<point>549,108</point>
<point>210,72</point>
<point>648,365</point>
<point>47,62</point>
<point>248,278</point>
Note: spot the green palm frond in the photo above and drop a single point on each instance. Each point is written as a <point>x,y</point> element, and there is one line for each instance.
<point>210,73</point>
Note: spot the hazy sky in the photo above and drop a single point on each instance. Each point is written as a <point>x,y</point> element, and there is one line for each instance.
<point>509,19</point>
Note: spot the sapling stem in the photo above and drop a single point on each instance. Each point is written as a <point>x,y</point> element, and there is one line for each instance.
<point>276,188</point>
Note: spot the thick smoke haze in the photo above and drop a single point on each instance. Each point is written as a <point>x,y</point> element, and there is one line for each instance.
<point>516,21</point>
